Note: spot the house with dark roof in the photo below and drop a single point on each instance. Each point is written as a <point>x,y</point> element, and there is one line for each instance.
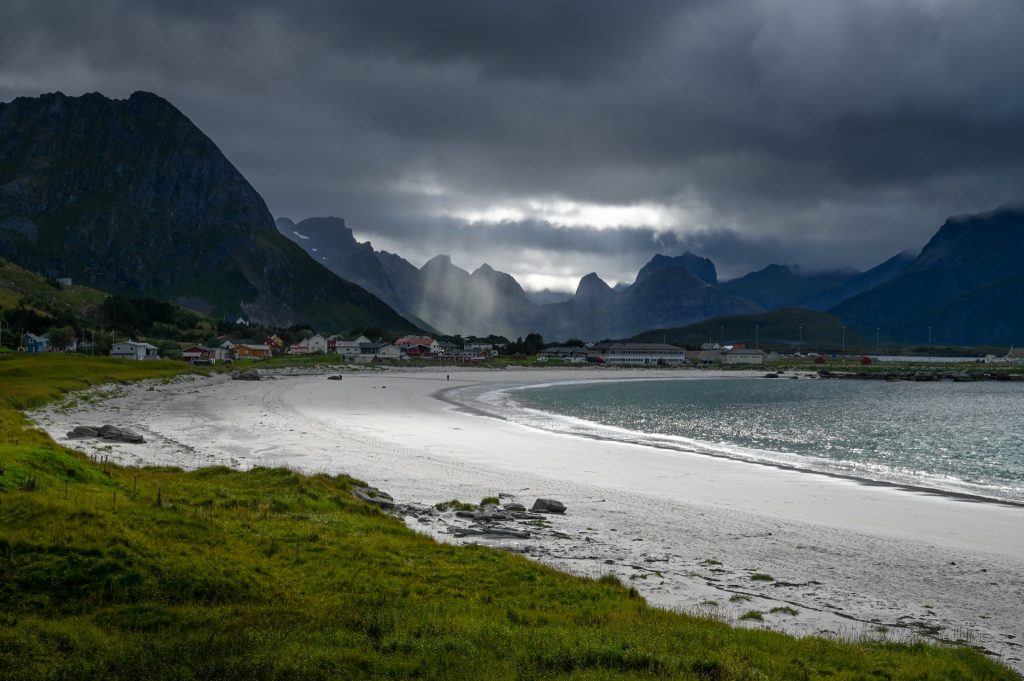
<point>136,350</point>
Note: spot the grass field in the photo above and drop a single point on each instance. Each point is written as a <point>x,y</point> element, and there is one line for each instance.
<point>109,572</point>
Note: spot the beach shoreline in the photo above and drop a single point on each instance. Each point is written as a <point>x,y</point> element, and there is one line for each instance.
<point>690,532</point>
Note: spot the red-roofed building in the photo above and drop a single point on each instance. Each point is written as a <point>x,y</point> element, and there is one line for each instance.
<point>418,346</point>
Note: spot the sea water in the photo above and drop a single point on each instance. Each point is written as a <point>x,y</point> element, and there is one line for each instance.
<point>965,438</point>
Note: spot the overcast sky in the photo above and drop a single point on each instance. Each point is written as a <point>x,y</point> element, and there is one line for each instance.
<point>553,138</point>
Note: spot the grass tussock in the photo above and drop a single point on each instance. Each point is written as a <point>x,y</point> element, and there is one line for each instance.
<point>109,572</point>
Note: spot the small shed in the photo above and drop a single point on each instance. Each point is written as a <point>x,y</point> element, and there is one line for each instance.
<point>866,361</point>
<point>820,359</point>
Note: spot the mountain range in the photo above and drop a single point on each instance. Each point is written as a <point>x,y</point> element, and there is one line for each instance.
<point>667,291</point>
<point>962,284</point>
<point>129,196</point>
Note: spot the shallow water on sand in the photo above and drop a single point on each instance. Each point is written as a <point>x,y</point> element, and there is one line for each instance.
<point>955,437</point>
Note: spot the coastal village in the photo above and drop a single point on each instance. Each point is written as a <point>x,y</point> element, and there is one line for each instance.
<point>362,350</point>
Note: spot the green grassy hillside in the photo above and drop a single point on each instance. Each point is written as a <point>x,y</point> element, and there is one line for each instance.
<point>20,287</point>
<point>109,572</point>
<point>777,329</point>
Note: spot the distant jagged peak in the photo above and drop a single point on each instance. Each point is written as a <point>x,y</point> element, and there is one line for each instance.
<point>439,260</point>
<point>591,285</point>
<point>503,280</point>
<point>697,265</point>
<point>333,220</point>
<point>442,264</point>
<point>325,225</point>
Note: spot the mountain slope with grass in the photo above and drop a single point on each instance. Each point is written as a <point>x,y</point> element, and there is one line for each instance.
<point>126,573</point>
<point>128,196</point>
<point>964,286</point>
<point>31,302</point>
<point>778,286</point>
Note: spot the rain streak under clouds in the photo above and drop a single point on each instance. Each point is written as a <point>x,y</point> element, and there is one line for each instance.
<point>551,139</point>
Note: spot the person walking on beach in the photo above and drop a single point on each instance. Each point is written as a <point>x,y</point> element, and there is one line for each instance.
<point>447,377</point>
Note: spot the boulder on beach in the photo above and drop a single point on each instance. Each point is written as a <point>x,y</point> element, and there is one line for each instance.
<point>109,432</point>
<point>547,506</point>
<point>514,506</point>
<point>83,431</point>
<point>247,375</point>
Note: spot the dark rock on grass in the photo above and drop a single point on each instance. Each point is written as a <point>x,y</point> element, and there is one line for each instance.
<point>247,375</point>
<point>372,495</point>
<point>83,431</point>
<point>547,506</point>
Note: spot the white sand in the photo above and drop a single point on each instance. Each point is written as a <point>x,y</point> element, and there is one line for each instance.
<point>687,530</point>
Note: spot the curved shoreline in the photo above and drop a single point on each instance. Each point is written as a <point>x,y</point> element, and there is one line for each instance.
<point>969,497</point>
<point>686,530</point>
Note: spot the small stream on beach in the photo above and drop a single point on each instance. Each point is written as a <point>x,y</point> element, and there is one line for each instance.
<point>962,438</point>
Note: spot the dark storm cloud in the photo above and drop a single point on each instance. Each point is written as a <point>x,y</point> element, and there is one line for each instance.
<point>823,133</point>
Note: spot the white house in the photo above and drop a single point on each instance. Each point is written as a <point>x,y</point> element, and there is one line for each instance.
<point>134,350</point>
<point>742,356</point>
<point>637,353</point>
<point>300,348</point>
<point>446,347</point>
<point>316,343</point>
<point>387,351</point>
<point>350,349</point>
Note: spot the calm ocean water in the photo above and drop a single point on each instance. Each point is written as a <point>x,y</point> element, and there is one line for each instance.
<point>959,437</point>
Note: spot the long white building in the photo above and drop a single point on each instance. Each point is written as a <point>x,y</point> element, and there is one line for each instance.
<point>636,353</point>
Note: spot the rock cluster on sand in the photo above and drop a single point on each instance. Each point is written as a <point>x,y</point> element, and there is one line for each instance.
<point>106,432</point>
<point>488,522</point>
<point>247,375</point>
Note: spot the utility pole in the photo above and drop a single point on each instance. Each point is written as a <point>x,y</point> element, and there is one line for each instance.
<point>929,336</point>
<point>876,340</point>
<point>757,335</point>
<point>844,339</point>
<point>721,335</point>
<point>801,343</point>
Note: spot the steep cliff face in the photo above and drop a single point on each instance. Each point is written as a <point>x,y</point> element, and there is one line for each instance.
<point>129,196</point>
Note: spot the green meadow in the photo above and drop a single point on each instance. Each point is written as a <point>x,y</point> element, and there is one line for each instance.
<point>110,572</point>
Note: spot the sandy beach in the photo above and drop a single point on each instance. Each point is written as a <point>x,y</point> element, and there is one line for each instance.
<point>687,530</point>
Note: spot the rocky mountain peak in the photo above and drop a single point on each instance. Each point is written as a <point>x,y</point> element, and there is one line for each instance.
<point>129,196</point>
<point>698,266</point>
